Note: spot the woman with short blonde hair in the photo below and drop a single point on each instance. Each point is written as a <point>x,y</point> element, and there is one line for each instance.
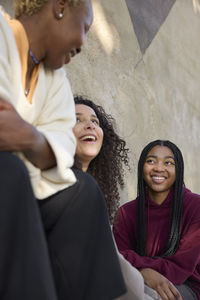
<point>29,7</point>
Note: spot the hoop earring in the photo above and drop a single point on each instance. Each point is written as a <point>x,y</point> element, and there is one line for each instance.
<point>60,15</point>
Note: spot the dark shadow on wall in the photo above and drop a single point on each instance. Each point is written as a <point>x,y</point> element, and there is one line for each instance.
<point>147,17</point>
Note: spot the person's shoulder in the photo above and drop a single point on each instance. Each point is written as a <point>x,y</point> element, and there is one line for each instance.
<point>128,212</point>
<point>2,10</point>
<point>4,17</point>
<point>191,202</point>
<point>190,196</point>
<point>130,205</point>
<point>84,177</point>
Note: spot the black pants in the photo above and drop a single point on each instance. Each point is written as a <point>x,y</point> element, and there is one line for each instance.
<point>85,264</point>
<point>25,271</point>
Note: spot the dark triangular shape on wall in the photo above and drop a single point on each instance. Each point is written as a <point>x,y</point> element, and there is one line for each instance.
<point>147,17</point>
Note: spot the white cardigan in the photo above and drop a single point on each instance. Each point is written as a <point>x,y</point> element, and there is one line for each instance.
<point>52,112</point>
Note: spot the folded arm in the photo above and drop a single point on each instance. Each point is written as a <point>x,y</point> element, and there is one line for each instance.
<point>18,135</point>
<point>183,262</point>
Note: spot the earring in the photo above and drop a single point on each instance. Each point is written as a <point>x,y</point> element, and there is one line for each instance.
<point>60,15</point>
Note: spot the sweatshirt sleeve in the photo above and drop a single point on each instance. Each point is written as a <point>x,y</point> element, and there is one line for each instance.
<point>178,267</point>
<point>6,90</point>
<point>56,122</point>
<point>52,113</point>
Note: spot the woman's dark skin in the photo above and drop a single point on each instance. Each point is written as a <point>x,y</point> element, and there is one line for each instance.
<point>44,29</point>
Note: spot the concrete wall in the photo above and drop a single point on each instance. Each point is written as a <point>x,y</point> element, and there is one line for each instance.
<point>152,92</point>
<point>141,63</point>
<point>8,5</point>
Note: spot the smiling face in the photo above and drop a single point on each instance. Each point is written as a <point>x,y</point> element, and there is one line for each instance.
<point>88,133</point>
<point>67,34</point>
<point>159,172</point>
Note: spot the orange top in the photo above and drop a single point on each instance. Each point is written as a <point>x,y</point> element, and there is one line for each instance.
<point>23,46</point>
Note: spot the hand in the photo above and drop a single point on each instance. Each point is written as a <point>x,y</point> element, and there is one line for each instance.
<point>18,135</point>
<point>165,289</point>
<point>14,133</point>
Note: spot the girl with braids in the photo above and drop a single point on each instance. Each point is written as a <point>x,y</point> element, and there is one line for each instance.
<point>100,150</point>
<point>159,232</point>
<point>49,251</point>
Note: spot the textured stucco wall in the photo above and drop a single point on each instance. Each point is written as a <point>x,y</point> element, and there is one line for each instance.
<point>151,95</point>
<point>152,92</point>
<point>8,5</point>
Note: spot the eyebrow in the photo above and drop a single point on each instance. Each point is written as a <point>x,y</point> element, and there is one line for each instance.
<point>154,156</point>
<point>80,114</point>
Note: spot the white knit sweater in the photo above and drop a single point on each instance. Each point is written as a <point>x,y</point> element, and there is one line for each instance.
<point>52,112</point>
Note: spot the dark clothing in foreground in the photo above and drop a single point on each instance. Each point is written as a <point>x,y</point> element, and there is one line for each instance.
<point>25,271</point>
<point>186,292</point>
<point>184,265</point>
<point>84,260</point>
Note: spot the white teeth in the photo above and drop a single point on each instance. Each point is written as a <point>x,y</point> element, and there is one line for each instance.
<point>88,137</point>
<point>158,177</point>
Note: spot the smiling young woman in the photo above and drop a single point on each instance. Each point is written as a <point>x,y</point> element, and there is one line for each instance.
<point>159,232</point>
<point>159,172</point>
<point>103,154</point>
<point>89,135</point>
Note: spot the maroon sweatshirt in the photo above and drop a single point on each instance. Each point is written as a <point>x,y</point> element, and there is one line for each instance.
<point>185,263</point>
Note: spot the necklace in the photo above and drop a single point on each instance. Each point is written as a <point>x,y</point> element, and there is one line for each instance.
<point>36,61</point>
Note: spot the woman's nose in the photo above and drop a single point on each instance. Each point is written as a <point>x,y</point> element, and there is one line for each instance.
<point>78,50</point>
<point>89,124</point>
<point>159,167</point>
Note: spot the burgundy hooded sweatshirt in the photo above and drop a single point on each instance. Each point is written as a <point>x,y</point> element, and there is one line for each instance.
<point>184,265</point>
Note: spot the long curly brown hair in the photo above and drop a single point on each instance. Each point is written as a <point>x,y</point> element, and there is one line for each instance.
<point>108,166</point>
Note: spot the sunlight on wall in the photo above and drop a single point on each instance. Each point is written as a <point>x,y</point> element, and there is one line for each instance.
<point>196,6</point>
<point>102,29</point>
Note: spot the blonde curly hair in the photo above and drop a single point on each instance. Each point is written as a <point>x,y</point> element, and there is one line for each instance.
<point>30,7</point>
